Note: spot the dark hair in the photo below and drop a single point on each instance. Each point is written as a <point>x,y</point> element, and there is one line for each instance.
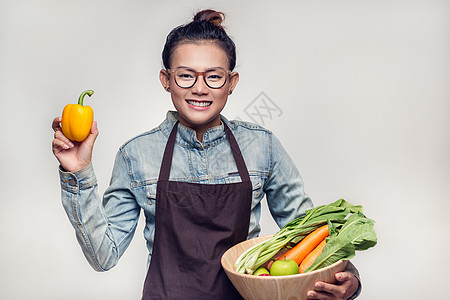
<point>206,26</point>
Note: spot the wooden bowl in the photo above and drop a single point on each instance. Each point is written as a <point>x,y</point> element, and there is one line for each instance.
<point>290,287</point>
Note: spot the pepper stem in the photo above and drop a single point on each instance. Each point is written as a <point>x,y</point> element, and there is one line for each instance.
<point>88,92</point>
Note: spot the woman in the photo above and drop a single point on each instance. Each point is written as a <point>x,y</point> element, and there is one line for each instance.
<point>219,171</point>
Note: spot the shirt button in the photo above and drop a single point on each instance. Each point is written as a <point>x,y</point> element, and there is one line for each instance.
<point>72,182</point>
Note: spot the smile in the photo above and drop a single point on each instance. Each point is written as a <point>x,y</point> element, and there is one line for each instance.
<point>198,104</point>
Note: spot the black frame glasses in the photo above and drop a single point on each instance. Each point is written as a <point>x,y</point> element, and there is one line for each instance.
<point>187,77</point>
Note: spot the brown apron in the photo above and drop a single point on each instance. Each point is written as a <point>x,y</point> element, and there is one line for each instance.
<point>194,225</point>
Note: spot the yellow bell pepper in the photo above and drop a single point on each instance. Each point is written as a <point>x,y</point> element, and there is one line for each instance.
<point>77,119</point>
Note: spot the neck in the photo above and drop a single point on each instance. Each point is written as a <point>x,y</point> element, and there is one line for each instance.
<point>200,129</point>
<point>200,135</point>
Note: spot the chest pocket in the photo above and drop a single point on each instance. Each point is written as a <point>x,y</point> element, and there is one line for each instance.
<point>150,190</point>
<point>180,199</point>
<point>257,189</point>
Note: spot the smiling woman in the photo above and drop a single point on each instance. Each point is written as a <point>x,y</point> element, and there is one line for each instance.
<point>206,174</point>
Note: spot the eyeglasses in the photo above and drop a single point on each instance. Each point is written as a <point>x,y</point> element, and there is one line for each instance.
<point>186,78</point>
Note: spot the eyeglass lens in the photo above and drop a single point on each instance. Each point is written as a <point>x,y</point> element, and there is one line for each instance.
<point>186,78</point>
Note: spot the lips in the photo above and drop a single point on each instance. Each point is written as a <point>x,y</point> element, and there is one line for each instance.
<point>199,105</point>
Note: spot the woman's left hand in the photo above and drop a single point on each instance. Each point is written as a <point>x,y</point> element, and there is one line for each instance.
<point>345,287</point>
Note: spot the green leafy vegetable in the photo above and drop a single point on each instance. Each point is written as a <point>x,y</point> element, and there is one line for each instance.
<point>334,213</point>
<point>357,233</point>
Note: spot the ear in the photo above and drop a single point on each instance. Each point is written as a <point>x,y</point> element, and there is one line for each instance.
<point>164,77</point>
<point>234,79</point>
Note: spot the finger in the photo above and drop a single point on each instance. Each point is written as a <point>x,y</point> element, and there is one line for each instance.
<point>348,282</point>
<point>59,144</point>
<point>337,291</point>
<point>315,295</point>
<point>61,137</point>
<point>343,276</point>
<point>56,124</point>
<point>93,134</point>
<point>94,129</point>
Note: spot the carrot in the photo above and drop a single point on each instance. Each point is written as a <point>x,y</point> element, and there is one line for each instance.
<point>312,256</point>
<point>305,246</point>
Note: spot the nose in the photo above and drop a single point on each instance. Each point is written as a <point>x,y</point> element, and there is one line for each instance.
<point>200,87</point>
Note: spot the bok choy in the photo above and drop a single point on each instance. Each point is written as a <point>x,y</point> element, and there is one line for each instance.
<point>342,229</point>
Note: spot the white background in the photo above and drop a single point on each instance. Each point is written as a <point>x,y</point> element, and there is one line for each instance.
<point>363,89</point>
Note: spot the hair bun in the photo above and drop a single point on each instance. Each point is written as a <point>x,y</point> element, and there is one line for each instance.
<point>212,16</point>
<point>206,26</point>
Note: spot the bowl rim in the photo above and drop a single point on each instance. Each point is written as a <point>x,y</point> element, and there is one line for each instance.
<point>271,277</point>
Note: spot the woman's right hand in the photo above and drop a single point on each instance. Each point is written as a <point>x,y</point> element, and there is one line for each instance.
<point>73,156</point>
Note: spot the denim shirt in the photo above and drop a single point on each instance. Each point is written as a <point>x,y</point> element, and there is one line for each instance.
<point>105,227</point>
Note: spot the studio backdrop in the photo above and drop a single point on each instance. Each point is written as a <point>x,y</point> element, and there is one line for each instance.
<point>357,92</point>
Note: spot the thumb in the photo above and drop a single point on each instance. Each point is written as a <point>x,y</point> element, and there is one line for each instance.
<point>92,135</point>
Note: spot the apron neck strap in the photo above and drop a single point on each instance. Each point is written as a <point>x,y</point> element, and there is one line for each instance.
<point>238,158</point>
<point>168,153</point>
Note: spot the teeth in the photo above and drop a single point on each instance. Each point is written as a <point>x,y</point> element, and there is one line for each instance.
<point>197,103</point>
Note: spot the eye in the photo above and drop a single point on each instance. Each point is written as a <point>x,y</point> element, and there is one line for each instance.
<point>185,75</point>
<point>214,75</point>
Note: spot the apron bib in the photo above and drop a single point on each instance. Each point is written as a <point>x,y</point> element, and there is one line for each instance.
<point>194,225</point>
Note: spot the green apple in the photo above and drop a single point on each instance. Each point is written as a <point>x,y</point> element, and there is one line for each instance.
<point>284,267</point>
<point>260,270</point>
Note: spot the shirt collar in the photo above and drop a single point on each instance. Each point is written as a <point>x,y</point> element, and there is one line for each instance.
<point>187,136</point>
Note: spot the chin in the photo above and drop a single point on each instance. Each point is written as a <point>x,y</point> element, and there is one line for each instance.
<point>199,119</point>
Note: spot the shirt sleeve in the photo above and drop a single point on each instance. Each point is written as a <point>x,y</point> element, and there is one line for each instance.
<point>284,187</point>
<point>104,229</point>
